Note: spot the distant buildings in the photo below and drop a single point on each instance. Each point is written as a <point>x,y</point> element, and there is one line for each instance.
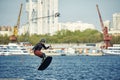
<point>42,19</point>
<point>113,27</point>
<point>5,30</point>
<point>42,16</point>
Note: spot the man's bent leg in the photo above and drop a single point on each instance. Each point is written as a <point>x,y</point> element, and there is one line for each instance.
<point>43,56</point>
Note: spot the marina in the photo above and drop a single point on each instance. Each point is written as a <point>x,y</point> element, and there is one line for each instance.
<point>62,49</point>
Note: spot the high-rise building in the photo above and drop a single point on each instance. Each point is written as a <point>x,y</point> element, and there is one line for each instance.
<point>115,29</point>
<point>116,21</point>
<point>42,16</point>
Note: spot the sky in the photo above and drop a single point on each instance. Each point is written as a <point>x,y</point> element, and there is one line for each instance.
<point>70,11</point>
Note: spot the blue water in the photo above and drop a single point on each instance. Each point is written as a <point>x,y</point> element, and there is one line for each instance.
<point>61,68</point>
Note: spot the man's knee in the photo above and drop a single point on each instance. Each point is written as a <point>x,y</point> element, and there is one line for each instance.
<point>43,55</point>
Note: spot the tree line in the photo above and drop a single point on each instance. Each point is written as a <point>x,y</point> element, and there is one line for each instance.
<point>64,36</point>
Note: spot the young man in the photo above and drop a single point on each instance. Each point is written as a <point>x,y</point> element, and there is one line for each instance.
<point>37,49</point>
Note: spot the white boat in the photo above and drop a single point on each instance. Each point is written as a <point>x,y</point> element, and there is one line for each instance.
<point>16,49</point>
<point>70,51</point>
<point>4,51</point>
<point>66,51</point>
<point>115,50</point>
<point>13,49</point>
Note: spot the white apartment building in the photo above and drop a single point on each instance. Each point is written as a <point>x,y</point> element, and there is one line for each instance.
<point>73,26</point>
<point>41,16</point>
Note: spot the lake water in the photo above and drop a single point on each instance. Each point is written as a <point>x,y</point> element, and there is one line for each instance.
<point>61,68</point>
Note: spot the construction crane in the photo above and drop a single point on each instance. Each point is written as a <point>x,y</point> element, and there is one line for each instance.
<point>15,29</point>
<point>106,37</point>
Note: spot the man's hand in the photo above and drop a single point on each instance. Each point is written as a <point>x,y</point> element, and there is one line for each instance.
<point>50,47</point>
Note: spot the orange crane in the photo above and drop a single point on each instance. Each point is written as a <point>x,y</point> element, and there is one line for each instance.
<point>15,29</point>
<point>106,37</point>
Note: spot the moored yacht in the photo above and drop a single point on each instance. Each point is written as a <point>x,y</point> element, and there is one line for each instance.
<point>13,49</point>
<point>4,51</point>
<point>115,50</point>
<point>16,49</point>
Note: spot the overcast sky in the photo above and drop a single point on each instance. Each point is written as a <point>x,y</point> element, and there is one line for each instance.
<point>70,10</point>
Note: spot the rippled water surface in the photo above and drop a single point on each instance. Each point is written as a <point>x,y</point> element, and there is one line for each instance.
<point>61,68</point>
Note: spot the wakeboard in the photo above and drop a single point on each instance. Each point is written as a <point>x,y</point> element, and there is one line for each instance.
<point>45,63</point>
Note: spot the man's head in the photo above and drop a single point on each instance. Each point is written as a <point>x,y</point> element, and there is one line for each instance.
<point>42,40</point>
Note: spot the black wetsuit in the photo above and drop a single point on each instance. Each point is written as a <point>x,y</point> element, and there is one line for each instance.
<point>39,46</point>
